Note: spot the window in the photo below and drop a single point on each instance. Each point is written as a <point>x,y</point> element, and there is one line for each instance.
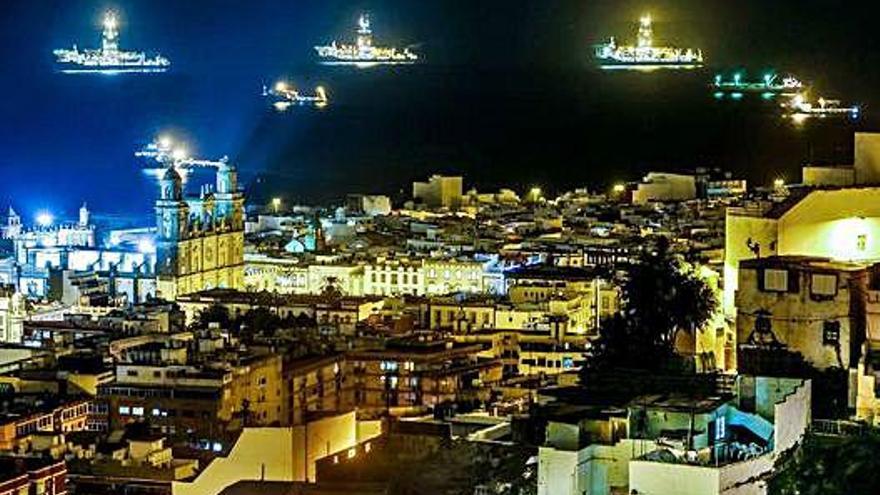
<point>137,411</point>
<point>831,332</point>
<point>823,284</point>
<point>775,280</point>
<point>124,410</point>
<point>131,373</point>
<point>388,366</point>
<point>719,428</point>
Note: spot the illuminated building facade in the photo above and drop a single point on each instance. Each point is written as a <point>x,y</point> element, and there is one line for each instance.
<point>200,240</point>
<point>412,374</point>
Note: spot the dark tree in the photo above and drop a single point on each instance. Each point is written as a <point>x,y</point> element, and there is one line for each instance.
<point>662,296</point>
<point>831,466</point>
<point>213,314</point>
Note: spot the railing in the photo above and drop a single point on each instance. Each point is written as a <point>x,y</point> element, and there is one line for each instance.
<point>838,428</point>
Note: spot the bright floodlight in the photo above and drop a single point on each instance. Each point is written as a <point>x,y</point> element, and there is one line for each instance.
<point>164,142</point>
<point>178,154</point>
<point>146,246</point>
<point>276,204</point>
<point>110,21</point>
<point>779,183</point>
<point>280,86</point>
<point>45,219</point>
<point>619,188</point>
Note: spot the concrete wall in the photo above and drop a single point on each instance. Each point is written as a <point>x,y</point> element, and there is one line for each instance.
<point>828,176</point>
<point>793,417</point>
<point>593,470</point>
<point>557,471</point>
<point>797,320</point>
<point>658,478</point>
<point>738,230</point>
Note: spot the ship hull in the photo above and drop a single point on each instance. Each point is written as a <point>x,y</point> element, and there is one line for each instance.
<point>606,64</point>
<point>365,63</point>
<point>70,68</point>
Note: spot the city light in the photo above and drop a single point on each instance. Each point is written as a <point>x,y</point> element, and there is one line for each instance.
<point>276,204</point>
<point>619,188</point>
<point>779,183</point>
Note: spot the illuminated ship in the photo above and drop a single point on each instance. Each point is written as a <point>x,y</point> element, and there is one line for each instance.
<point>164,153</point>
<point>108,59</point>
<point>768,86</point>
<point>799,108</point>
<point>363,53</point>
<point>285,95</point>
<point>644,55</point>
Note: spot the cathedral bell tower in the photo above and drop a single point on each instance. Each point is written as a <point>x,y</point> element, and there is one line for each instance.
<point>172,213</point>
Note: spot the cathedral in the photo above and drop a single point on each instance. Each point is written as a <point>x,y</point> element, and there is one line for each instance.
<point>199,239</point>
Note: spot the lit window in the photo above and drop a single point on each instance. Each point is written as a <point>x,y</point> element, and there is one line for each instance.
<point>157,412</point>
<point>719,428</point>
<point>137,411</point>
<point>824,285</point>
<point>124,410</point>
<point>776,280</point>
<point>831,333</point>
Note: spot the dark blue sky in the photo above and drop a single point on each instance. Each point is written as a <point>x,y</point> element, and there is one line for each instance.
<point>507,95</point>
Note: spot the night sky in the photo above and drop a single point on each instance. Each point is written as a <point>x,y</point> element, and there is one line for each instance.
<point>507,95</point>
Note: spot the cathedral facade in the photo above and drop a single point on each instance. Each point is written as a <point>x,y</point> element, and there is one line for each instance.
<point>200,240</point>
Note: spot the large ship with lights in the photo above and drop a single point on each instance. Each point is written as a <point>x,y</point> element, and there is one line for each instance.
<point>363,53</point>
<point>109,59</point>
<point>770,85</point>
<point>284,95</point>
<point>644,55</point>
<point>799,108</point>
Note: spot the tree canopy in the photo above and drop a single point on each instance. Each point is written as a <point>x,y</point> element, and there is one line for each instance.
<point>831,466</point>
<point>661,296</point>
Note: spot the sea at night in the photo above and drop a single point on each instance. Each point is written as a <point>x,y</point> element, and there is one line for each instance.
<point>474,106</point>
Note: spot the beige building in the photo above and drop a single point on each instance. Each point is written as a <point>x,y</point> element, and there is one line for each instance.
<point>439,191</point>
<point>662,186</point>
<point>812,306</point>
<point>838,224</point>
